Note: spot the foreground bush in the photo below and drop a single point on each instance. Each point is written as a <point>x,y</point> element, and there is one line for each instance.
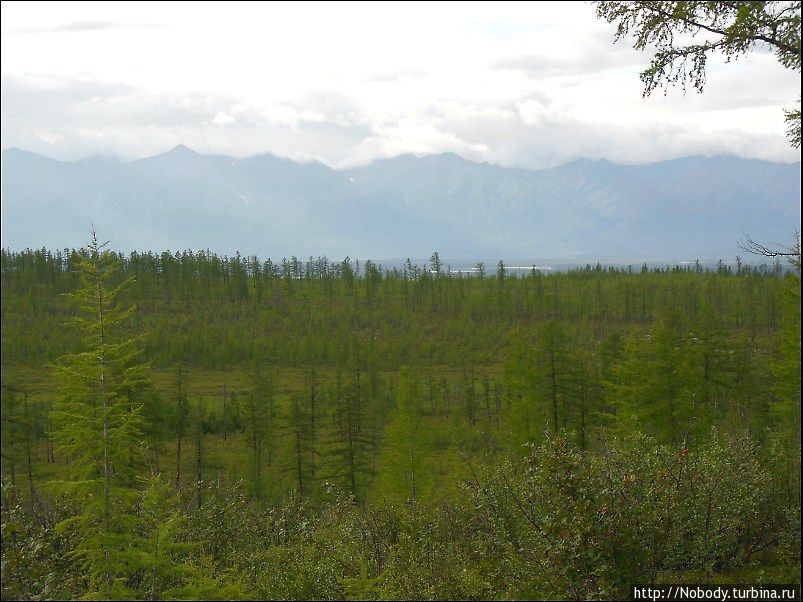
<point>587,525</point>
<point>562,524</point>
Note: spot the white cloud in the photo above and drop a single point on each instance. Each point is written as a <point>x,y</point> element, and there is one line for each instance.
<point>522,84</point>
<point>532,111</point>
<point>223,118</point>
<point>49,136</point>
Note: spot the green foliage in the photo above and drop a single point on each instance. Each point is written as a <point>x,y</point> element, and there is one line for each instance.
<point>785,407</point>
<point>18,434</point>
<point>586,526</point>
<point>34,565</point>
<point>337,432</point>
<point>402,467</point>
<point>732,29</point>
<point>787,367</point>
<point>652,388</point>
<point>100,429</point>
<point>261,420</point>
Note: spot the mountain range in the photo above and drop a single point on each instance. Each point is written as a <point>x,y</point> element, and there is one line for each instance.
<point>407,206</point>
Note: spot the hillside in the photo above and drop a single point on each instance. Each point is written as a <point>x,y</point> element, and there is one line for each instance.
<point>407,206</point>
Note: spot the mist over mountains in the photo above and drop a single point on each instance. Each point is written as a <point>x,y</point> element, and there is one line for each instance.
<point>407,206</point>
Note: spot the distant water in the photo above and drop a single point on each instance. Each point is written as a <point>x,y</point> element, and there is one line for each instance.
<point>519,267</point>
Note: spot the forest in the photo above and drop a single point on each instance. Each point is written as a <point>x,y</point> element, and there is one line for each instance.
<point>190,426</point>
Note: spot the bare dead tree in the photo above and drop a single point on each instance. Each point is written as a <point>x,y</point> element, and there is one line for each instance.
<point>756,248</point>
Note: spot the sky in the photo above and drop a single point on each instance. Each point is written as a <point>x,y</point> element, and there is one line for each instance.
<point>531,85</point>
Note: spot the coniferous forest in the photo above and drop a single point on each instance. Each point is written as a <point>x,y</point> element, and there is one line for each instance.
<point>190,426</point>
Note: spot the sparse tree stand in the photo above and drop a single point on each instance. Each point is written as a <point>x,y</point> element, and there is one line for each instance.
<point>99,427</point>
<point>17,423</point>
<point>182,409</point>
<point>260,414</point>
<point>705,361</point>
<point>198,427</point>
<point>786,407</point>
<point>225,410</point>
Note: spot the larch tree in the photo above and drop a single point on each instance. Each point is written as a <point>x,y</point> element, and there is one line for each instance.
<point>403,471</point>
<point>182,413</point>
<point>100,427</point>
<point>785,409</point>
<point>686,34</point>
<point>260,417</point>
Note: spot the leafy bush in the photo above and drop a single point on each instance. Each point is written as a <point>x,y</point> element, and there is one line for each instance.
<point>587,525</point>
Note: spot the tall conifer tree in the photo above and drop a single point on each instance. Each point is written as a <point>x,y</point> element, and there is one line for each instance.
<point>100,428</point>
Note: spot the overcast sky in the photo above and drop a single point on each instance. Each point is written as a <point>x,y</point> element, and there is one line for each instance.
<point>530,84</point>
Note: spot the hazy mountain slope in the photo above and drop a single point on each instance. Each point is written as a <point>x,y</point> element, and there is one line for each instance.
<point>696,207</point>
<point>405,206</point>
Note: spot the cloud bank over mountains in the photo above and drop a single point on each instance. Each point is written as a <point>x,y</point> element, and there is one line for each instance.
<point>381,130</point>
<point>70,118</point>
<point>530,86</point>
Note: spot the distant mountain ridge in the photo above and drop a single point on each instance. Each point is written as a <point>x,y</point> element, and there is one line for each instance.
<point>407,206</point>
